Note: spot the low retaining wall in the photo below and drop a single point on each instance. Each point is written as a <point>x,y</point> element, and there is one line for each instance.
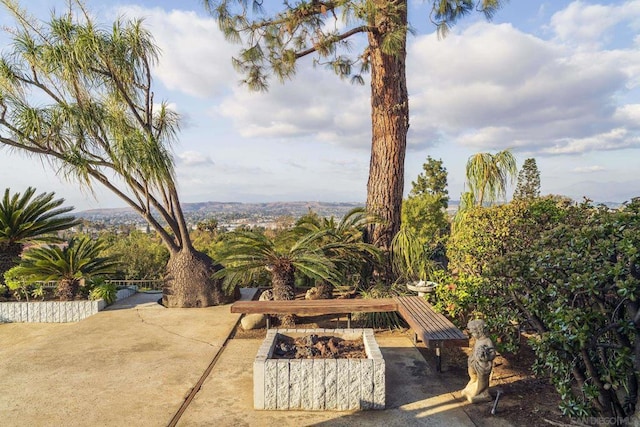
<point>319,384</point>
<point>54,311</point>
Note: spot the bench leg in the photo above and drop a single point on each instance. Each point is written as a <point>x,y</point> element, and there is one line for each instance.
<point>348,320</point>
<point>438,360</point>
<point>268,322</point>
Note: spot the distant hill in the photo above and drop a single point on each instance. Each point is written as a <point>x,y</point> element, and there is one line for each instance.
<point>234,209</point>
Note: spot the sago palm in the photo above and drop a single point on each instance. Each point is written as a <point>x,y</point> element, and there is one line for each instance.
<point>281,256</point>
<point>25,218</point>
<point>249,252</point>
<point>343,242</point>
<point>68,265</point>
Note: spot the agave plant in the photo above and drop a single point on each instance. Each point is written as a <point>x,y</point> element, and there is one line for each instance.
<point>69,265</point>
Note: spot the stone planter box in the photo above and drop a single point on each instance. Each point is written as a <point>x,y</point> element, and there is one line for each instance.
<point>319,384</point>
<point>54,311</point>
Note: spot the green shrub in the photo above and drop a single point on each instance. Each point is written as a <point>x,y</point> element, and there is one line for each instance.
<point>105,291</point>
<point>578,286</point>
<point>17,283</point>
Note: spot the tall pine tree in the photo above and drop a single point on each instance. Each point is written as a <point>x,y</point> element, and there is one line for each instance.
<point>528,186</point>
<point>274,39</point>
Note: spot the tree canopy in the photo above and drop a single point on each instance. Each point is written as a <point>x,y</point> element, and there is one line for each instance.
<point>488,175</point>
<point>432,181</point>
<point>274,38</point>
<point>528,186</point>
<point>79,95</point>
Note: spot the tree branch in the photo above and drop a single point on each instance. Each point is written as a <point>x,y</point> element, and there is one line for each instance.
<point>347,34</point>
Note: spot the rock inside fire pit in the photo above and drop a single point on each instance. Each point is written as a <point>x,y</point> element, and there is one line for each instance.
<point>314,346</point>
<point>333,383</point>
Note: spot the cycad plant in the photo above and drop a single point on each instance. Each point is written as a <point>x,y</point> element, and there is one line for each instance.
<point>25,218</point>
<point>323,252</point>
<point>69,265</point>
<point>249,251</point>
<point>344,244</point>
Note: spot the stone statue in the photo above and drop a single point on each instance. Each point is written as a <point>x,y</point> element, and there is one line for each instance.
<point>480,364</point>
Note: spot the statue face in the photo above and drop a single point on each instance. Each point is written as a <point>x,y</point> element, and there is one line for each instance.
<point>476,327</point>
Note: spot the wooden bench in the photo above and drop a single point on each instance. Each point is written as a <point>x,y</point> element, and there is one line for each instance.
<point>433,329</point>
<point>316,307</point>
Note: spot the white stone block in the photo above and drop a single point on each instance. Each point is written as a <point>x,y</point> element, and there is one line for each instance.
<point>331,384</point>
<point>270,384</point>
<point>318,385</point>
<point>354,384</point>
<point>295,379</point>
<point>306,385</point>
<point>379,386</point>
<point>282,395</point>
<point>342,384</point>
<point>24,311</point>
<point>366,383</point>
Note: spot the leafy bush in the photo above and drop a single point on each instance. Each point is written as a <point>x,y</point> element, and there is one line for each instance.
<point>18,283</point>
<point>140,256</point>
<point>105,291</point>
<point>569,273</point>
<point>578,285</point>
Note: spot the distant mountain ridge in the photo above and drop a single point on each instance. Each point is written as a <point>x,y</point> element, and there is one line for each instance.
<point>201,209</point>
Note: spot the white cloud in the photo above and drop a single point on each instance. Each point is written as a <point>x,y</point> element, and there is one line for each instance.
<point>315,104</point>
<point>616,139</point>
<point>589,169</point>
<point>195,58</point>
<point>589,26</point>
<point>193,158</point>
<point>494,87</point>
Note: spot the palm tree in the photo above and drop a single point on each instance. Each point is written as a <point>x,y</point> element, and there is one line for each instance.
<point>28,219</point>
<point>487,175</point>
<point>249,252</point>
<point>321,249</point>
<point>69,265</point>
<point>344,244</point>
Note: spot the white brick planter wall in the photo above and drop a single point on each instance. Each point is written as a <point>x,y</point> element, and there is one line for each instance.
<point>54,311</point>
<point>319,384</point>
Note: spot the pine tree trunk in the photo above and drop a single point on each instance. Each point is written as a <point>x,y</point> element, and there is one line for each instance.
<point>390,124</point>
<point>188,282</point>
<point>9,257</point>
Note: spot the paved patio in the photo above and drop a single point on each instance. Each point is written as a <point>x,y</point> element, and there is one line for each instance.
<point>136,362</point>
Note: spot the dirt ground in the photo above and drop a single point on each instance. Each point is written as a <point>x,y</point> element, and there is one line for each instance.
<point>525,400</point>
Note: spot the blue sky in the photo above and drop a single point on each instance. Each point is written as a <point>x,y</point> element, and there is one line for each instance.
<point>554,80</point>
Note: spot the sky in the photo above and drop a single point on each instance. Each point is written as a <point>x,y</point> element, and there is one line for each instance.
<point>558,81</point>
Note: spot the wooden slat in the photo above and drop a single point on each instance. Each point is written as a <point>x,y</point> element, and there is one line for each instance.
<point>434,329</point>
<point>437,325</point>
<point>317,307</point>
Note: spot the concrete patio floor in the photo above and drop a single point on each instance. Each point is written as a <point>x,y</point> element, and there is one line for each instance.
<point>136,362</point>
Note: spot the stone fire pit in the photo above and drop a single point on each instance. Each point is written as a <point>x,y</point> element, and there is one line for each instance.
<point>319,384</point>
